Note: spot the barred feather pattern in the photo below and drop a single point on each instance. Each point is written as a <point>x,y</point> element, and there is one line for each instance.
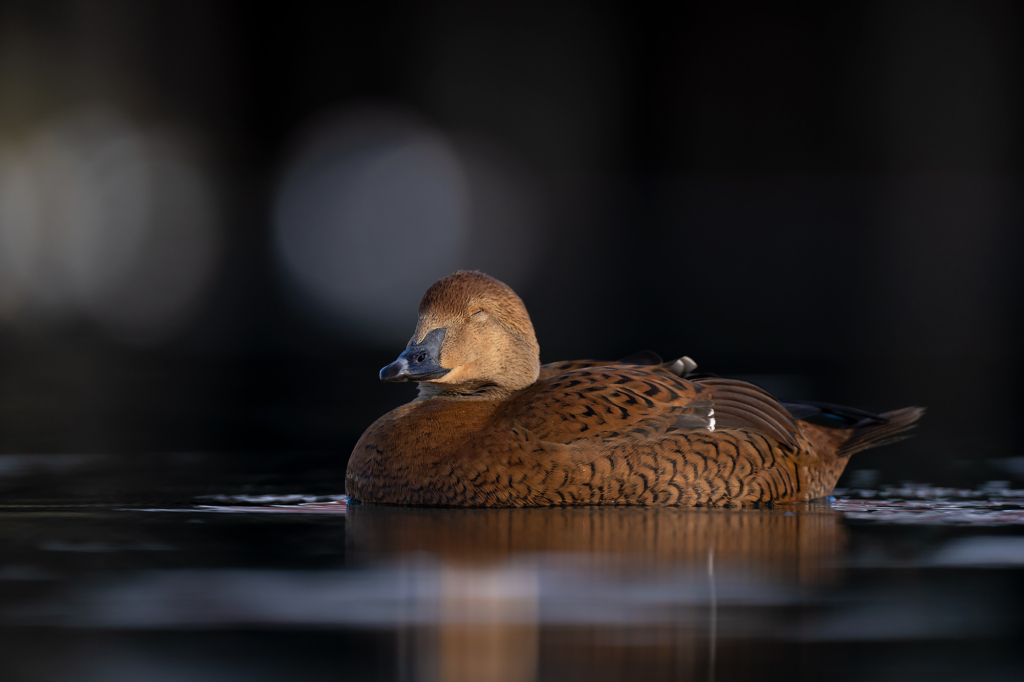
<point>590,434</point>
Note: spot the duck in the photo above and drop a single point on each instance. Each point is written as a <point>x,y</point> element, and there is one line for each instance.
<point>492,427</point>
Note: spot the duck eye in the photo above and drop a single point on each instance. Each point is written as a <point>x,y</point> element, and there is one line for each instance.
<point>421,357</point>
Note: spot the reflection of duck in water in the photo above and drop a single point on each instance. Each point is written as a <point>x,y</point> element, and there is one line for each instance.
<point>494,428</point>
<point>594,593</point>
<point>802,547</point>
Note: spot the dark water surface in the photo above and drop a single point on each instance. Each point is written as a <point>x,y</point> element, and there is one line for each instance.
<point>206,567</point>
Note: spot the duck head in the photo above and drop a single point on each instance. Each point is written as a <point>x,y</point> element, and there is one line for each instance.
<point>473,337</point>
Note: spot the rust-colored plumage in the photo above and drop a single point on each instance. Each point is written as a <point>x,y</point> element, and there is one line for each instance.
<point>492,428</point>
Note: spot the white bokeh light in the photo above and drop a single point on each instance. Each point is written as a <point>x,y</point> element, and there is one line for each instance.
<point>102,219</point>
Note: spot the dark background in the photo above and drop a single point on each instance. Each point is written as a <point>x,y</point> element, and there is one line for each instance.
<point>827,202</point>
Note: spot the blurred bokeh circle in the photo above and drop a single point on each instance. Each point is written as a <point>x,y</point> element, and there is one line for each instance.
<point>375,205</point>
<point>107,220</point>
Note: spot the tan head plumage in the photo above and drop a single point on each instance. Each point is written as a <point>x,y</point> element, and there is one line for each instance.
<point>487,340</point>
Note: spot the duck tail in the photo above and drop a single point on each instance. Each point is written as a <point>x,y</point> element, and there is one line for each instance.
<point>871,434</point>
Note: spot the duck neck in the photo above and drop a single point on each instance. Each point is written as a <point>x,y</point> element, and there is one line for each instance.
<point>476,390</point>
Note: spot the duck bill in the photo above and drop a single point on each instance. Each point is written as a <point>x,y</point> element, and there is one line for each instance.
<point>418,362</point>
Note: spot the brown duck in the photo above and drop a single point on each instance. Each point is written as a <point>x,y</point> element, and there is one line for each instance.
<point>492,427</point>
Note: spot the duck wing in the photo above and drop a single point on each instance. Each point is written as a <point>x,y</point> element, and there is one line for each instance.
<point>602,402</point>
<point>832,416</point>
<point>740,404</point>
